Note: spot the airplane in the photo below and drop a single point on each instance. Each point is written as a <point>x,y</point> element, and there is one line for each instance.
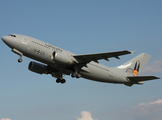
<point>59,62</point>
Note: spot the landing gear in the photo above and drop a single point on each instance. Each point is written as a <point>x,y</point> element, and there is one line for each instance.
<point>20,60</point>
<point>77,68</point>
<point>18,53</point>
<point>73,75</point>
<point>77,75</point>
<point>60,80</point>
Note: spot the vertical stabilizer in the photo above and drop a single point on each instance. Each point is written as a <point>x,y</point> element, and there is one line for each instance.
<point>134,66</point>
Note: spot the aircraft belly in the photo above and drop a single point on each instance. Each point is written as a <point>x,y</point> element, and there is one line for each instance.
<point>102,75</point>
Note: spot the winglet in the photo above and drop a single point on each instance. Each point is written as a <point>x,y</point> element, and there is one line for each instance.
<point>132,52</point>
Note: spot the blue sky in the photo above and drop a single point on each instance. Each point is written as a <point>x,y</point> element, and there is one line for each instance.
<point>82,27</point>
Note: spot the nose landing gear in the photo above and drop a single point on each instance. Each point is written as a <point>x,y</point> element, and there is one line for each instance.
<point>18,53</point>
<point>20,60</point>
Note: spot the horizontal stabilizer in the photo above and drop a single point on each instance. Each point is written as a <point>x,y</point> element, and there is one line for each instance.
<point>142,78</point>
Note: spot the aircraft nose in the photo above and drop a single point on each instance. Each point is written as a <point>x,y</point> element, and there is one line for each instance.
<point>8,40</point>
<point>4,38</point>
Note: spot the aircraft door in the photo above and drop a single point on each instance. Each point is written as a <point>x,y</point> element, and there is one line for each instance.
<point>23,44</point>
<point>26,42</point>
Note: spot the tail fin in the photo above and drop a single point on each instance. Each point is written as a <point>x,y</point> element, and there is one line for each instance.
<point>134,66</point>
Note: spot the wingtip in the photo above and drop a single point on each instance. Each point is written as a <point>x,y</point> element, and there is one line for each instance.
<point>157,77</point>
<point>132,52</point>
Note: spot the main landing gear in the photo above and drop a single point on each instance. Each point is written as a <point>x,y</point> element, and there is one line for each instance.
<point>60,80</point>
<point>77,68</point>
<point>18,53</point>
<point>77,75</point>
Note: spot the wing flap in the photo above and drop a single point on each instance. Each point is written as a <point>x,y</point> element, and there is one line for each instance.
<point>95,57</point>
<point>142,78</point>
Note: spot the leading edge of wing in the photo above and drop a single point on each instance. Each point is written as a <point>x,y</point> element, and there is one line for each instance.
<point>95,57</point>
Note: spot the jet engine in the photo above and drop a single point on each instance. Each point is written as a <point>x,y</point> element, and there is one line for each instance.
<point>38,68</point>
<point>61,58</point>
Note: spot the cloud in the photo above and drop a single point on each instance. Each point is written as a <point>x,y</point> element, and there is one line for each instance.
<point>151,103</point>
<point>155,67</point>
<point>145,111</point>
<point>5,119</point>
<point>157,102</point>
<point>85,115</point>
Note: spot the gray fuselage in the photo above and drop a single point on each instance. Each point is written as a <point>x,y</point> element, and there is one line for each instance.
<point>42,52</point>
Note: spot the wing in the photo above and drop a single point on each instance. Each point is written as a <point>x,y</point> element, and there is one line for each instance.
<point>142,78</point>
<point>95,57</point>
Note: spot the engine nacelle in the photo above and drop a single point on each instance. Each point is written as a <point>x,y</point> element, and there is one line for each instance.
<point>61,58</point>
<point>38,68</point>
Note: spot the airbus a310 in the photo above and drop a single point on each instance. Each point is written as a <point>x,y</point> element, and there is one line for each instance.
<point>59,62</point>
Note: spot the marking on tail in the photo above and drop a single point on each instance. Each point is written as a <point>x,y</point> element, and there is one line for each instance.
<point>136,68</point>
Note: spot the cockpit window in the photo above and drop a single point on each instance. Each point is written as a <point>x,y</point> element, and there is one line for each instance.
<point>12,35</point>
